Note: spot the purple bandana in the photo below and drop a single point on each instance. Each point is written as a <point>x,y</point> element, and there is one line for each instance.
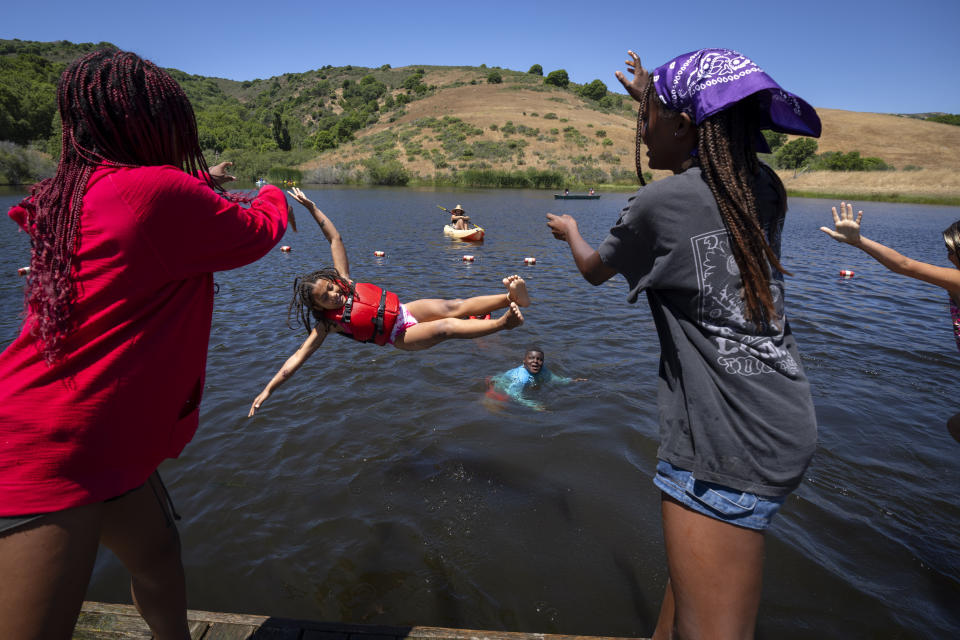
<point>704,82</point>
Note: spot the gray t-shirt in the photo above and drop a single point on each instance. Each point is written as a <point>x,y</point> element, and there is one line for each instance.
<point>734,402</point>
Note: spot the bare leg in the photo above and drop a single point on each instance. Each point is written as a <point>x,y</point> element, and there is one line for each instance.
<point>716,574</point>
<point>426,334</point>
<point>46,567</point>
<point>141,532</point>
<point>429,309</point>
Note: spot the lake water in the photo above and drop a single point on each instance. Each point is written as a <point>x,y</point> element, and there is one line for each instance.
<point>380,486</point>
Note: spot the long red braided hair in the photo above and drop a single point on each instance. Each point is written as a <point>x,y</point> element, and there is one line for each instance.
<point>117,110</point>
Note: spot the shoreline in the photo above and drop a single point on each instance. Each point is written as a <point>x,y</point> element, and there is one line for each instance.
<point>862,196</point>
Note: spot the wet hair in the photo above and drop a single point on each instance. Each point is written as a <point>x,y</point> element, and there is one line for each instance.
<point>729,165</point>
<point>951,237</point>
<point>302,307</point>
<point>534,349</point>
<point>117,110</point>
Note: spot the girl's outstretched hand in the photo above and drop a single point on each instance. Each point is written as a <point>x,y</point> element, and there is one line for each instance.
<point>260,399</point>
<point>847,229</point>
<point>561,226</point>
<point>635,85</point>
<point>302,198</point>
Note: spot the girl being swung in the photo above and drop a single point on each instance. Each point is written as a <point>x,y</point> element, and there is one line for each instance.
<point>737,425</point>
<point>328,301</point>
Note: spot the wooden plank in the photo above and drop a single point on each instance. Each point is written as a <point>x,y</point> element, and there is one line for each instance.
<point>229,631</point>
<point>96,625</point>
<point>102,621</point>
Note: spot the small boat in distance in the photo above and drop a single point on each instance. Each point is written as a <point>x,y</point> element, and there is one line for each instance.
<point>260,182</point>
<point>576,196</point>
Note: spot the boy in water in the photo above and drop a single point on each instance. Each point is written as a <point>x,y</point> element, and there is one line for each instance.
<point>530,374</point>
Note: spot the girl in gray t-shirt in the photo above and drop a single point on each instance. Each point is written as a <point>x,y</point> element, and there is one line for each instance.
<point>737,425</point>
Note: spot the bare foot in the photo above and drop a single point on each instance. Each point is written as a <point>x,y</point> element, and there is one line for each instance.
<point>513,316</point>
<point>517,290</point>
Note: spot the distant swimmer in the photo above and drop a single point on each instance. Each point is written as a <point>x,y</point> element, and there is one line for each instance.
<point>847,229</point>
<point>329,301</point>
<point>531,374</point>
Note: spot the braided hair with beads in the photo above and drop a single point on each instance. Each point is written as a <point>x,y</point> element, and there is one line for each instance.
<point>116,110</point>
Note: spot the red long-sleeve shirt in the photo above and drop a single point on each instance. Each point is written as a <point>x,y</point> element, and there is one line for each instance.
<point>125,396</point>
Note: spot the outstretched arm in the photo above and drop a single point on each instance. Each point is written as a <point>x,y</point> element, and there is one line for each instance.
<point>587,259</point>
<point>847,229</point>
<point>294,362</point>
<point>337,249</point>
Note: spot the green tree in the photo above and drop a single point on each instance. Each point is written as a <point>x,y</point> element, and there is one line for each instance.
<point>774,139</point>
<point>558,78</point>
<point>494,77</point>
<point>281,134</point>
<point>536,70</point>
<point>595,90</point>
<point>796,153</point>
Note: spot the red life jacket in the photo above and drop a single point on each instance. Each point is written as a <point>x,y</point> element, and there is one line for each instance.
<point>368,315</point>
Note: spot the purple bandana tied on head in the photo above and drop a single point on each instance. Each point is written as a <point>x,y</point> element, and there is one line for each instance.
<point>707,81</point>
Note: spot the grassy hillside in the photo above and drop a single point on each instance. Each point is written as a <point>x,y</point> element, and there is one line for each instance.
<point>459,125</point>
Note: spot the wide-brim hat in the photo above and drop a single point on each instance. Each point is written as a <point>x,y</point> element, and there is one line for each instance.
<point>707,81</point>
<point>457,208</point>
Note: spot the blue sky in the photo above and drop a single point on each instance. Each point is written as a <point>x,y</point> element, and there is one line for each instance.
<point>883,56</point>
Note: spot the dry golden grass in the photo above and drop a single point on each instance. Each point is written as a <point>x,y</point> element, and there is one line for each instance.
<point>900,141</point>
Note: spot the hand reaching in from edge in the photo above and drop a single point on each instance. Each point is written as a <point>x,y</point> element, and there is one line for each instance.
<point>635,85</point>
<point>847,229</point>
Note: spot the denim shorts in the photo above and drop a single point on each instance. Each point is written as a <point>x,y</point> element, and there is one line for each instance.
<point>739,508</point>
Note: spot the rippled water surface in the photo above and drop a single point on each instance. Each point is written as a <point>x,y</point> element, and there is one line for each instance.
<point>381,486</point>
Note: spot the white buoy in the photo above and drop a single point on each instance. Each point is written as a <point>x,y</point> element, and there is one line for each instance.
<point>22,271</point>
<point>845,273</point>
<point>530,260</point>
<point>379,254</point>
<point>468,258</point>
<point>285,248</point>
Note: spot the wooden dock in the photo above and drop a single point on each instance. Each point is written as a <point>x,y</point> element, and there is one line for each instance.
<point>100,621</point>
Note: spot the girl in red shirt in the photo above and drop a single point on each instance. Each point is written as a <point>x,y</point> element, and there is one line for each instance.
<point>105,379</point>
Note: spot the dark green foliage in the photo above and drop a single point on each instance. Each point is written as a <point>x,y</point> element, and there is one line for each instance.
<point>611,102</point>
<point>558,78</point>
<point>775,139</point>
<point>494,77</point>
<point>382,170</point>
<point>536,70</point>
<point>596,90</point>
<point>946,118</point>
<point>279,174</point>
<point>281,134</point>
<point>529,179</point>
<point>28,85</point>
<point>796,153</point>
<point>550,116</point>
<point>851,161</point>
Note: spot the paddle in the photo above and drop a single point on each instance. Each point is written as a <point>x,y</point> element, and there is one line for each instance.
<point>444,208</point>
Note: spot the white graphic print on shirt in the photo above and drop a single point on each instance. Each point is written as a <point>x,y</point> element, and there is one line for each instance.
<point>722,312</point>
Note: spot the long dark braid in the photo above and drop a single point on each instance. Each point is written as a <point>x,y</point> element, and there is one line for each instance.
<point>729,165</point>
<point>301,305</point>
<point>641,118</point>
<point>117,110</point>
